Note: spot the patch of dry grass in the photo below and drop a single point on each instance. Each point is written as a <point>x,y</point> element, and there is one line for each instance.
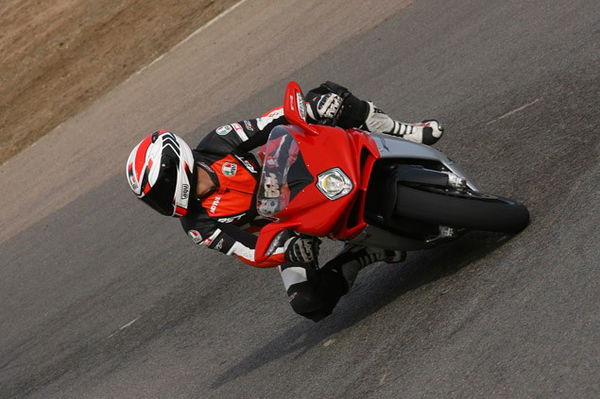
<point>57,56</point>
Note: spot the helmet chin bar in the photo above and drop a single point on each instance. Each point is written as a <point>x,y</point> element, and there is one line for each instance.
<point>182,193</point>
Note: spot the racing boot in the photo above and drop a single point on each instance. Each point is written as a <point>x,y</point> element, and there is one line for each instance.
<point>427,132</point>
<point>353,258</point>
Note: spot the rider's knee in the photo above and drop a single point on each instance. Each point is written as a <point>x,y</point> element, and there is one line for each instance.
<point>304,299</point>
<point>315,300</point>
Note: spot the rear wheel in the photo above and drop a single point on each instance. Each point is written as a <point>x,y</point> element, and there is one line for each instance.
<point>469,210</point>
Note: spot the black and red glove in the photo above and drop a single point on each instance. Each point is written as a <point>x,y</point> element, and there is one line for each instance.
<point>302,249</point>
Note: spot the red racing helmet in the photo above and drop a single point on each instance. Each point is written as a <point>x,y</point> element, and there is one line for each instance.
<point>160,171</point>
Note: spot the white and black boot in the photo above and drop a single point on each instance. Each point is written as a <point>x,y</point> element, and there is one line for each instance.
<point>426,132</point>
<point>353,258</point>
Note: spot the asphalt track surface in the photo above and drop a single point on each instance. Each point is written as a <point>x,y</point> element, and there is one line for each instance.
<point>101,298</point>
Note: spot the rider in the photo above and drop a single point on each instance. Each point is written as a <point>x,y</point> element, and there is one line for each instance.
<point>212,190</point>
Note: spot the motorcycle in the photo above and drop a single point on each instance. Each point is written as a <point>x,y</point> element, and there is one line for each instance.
<point>368,189</point>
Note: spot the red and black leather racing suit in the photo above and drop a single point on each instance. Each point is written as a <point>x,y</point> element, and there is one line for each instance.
<point>226,219</point>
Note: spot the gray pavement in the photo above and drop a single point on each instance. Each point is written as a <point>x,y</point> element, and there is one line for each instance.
<point>102,298</point>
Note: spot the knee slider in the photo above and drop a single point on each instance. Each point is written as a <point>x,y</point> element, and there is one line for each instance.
<point>304,299</point>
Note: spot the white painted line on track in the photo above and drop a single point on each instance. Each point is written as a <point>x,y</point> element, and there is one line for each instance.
<point>197,31</point>
<point>128,324</point>
<point>383,378</point>
<point>514,111</point>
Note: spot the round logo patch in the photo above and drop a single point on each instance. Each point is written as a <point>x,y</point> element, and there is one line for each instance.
<point>223,130</point>
<point>229,169</point>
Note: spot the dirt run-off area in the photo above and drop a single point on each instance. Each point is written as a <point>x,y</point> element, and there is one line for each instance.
<point>58,56</point>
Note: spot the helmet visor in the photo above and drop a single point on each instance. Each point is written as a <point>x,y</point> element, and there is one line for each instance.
<point>161,195</point>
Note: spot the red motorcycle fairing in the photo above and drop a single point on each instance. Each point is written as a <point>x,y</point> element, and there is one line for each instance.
<point>322,148</point>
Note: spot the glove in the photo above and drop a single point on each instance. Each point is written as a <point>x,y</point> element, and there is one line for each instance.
<point>327,107</point>
<point>300,249</point>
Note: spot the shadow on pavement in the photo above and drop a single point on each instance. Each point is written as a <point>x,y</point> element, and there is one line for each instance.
<point>427,267</point>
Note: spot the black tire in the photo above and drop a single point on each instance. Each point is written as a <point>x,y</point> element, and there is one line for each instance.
<point>471,210</point>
